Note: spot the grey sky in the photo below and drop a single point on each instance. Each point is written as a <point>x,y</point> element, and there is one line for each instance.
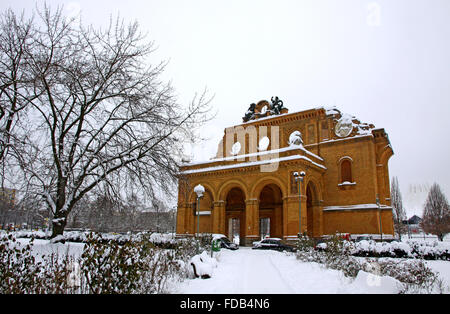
<point>385,62</point>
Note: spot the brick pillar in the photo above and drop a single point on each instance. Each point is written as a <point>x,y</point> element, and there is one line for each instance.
<point>251,221</point>
<point>191,223</point>
<point>186,223</point>
<point>218,217</point>
<point>292,208</point>
<point>320,211</point>
<point>181,219</point>
<point>304,214</point>
<point>317,219</point>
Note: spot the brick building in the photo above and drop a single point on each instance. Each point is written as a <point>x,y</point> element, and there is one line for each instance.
<point>8,196</point>
<point>251,187</point>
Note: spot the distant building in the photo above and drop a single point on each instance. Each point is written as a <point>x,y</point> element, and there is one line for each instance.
<point>8,195</point>
<point>251,189</point>
<point>413,224</point>
<point>414,220</point>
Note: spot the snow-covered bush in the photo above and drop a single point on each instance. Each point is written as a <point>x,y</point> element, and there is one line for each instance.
<point>21,272</point>
<point>160,240</point>
<point>203,265</point>
<point>338,254</point>
<point>18,271</point>
<point>134,267</point>
<point>415,275</point>
<point>335,253</point>
<point>409,249</point>
<point>103,267</point>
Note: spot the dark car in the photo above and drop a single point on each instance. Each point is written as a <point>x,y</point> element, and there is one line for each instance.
<point>225,243</point>
<point>273,244</point>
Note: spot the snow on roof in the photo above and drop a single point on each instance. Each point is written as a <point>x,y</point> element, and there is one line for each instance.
<point>257,154</point>
<point>253,163</point>
<point>361,128</point>
<point>330,110</point>
<point>216,236</point>
<point>355,207</point>
<point>277,239</point>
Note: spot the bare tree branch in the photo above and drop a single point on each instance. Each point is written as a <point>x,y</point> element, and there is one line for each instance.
<point>98,115</point>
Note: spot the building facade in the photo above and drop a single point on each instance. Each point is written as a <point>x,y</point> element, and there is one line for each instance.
<point>252,186</point>
<point>8,196</point>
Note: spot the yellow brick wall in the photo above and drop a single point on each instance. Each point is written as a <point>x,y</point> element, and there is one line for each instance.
<point>369,155</point>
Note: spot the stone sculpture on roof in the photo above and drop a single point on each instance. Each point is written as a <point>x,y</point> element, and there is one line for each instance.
<point>264,109</point>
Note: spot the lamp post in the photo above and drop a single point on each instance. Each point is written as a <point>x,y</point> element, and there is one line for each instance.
<point>299,179</point>
<point>176,219</point>
<point>199,190</point>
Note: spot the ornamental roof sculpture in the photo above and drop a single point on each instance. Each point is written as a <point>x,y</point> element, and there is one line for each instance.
<point>264,109</point>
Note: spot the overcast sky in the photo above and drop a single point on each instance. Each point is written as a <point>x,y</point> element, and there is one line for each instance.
<point>385,62</point>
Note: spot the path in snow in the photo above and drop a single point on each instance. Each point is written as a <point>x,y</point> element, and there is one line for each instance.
<point>248,271</point>
<point>260,269</point>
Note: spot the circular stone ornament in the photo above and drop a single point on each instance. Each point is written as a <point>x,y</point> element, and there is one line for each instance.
<point>295,138</point>
<point>264,143</point>
<point>236,148</point>
<point>344,126</point>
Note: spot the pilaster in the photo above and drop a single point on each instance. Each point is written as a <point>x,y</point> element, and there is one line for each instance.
<point>291,204</point>
<point>218,217</point>
<point>251,221</point>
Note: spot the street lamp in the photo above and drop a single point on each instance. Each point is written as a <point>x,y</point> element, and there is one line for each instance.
<point>199,190</point>
<point>299,179</point>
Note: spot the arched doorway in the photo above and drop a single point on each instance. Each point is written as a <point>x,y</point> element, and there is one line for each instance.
<point>271,211</point>
<point>235,215</point>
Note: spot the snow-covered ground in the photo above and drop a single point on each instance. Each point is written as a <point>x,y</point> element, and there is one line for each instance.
<point>41,247</point>
<point>248,271</point>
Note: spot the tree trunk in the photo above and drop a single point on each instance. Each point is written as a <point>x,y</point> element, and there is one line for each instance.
<point>58,225</point>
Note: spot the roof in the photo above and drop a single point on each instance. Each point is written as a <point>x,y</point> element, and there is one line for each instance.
<point>254,163</point>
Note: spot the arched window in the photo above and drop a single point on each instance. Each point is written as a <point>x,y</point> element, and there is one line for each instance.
<point>346,171</point>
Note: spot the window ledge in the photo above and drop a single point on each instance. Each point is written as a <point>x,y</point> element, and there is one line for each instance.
<point>347,185</point>
<point>203,213</point>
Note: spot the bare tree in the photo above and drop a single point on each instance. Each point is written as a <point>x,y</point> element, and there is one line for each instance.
<point>436,214</point>
<point>98,114</point>
<point>397,206</point>
<point>16,80</point>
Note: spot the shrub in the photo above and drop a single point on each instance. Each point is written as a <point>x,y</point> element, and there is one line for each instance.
<point>103,267</point>
<point>409,249</point>
<point>415,275</point>
<point>134,267</point>
<point>22,273</point>
<point>336,253</point>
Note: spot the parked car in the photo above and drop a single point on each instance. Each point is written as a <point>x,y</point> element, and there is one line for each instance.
<point>363,237</point>
<point>273,244</point>
<point>225,243</point>
<point>320,244</point>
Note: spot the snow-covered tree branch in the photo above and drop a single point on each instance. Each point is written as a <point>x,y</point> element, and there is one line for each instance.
<point>95,111</point>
